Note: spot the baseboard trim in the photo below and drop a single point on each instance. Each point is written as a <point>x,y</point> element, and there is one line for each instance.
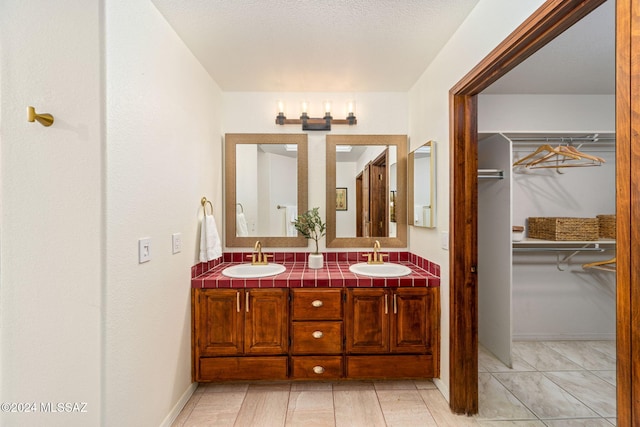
<point>564,337</point>
<point>175,411</point>
<point>442,387</point>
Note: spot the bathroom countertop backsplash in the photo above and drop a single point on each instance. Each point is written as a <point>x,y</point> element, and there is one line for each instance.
<point>334,274</point>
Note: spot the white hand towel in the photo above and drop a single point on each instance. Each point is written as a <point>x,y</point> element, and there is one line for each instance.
<point>241,225</point>
<point>210,245</point>
<point>291,214</point>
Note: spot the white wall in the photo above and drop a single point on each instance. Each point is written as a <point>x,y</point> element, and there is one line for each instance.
<point>486,26</point>
<point>163,154</point>
<point>255,112</point>
<point>51,210</point>
<point>546,113</point>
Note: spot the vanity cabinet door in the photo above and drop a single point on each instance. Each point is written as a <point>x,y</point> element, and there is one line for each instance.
<point>367,321</point>
<point>219,322</point>
<point>411,325</point>
<point>266,321</point>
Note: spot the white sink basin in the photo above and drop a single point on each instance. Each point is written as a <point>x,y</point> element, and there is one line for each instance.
<point>387,269</point>
<point>250,271</point>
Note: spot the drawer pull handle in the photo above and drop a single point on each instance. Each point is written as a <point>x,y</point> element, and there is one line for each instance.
<point>317,334</point>
<point>318,370</point>
<point>317,303</point>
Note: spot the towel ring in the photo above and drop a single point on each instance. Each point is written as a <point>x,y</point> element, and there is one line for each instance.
<point>204,202</point>
<point>241,208</point>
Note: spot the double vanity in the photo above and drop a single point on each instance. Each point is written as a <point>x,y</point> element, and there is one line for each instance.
<point>323,324</point>
<point>357,317</point>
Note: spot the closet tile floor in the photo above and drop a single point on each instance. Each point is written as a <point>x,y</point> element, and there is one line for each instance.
<point>552,383</point>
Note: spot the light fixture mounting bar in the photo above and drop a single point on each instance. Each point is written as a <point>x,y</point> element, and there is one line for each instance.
<point>315,121</point>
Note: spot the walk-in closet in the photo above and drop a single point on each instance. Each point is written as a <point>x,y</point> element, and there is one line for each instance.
<point>546,271</point>
<point>546,233</point>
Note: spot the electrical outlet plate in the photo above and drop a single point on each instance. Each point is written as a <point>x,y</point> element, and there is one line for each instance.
<point>176,242</point>
<point>144,250</point>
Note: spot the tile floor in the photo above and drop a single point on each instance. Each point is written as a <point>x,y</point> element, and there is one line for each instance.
<point>552,383</point>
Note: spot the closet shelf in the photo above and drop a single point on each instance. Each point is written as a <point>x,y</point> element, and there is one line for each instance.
<point>560,246</point>
<point>554,245</point>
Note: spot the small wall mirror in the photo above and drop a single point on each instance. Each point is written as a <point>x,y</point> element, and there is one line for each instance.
<point>265,188</point>
<point>366,190</point>
<point>422,177</point>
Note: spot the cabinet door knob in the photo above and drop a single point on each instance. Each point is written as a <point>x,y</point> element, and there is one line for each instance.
<point>317,303</point>
<point>318,369</point>
<point>317,334</point>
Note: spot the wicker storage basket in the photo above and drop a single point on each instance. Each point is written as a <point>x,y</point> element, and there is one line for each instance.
<point>556,228</point>
<point>607,226</point>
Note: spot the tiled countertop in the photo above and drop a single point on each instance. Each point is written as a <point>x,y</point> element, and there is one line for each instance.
<point>334,274</point>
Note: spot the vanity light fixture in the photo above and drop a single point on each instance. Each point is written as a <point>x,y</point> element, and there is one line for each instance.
<point>309,123</point>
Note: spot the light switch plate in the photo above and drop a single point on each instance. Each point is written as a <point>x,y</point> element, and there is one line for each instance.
<point>144,250</point>
<point>176,242</point>
<point>444,240</point>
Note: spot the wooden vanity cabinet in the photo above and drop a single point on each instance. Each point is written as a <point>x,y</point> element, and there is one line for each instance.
<point>328,333</point>
<point>240,334</point>
<point>392,333</point>
<point>316,333</point>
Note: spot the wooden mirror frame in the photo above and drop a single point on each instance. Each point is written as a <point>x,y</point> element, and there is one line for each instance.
<point>231,141</point>
<point>412,186</point>
<point>400,142</point>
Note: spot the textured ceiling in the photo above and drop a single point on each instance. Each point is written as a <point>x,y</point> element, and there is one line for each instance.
<point>371,45</point>
<point>315,46</point>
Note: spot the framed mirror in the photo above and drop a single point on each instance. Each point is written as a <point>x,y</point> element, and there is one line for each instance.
<point>265,189</point>
<point>422,178</point>
<point>368,172</point>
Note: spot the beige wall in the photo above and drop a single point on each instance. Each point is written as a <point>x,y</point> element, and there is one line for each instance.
<point>135,144</point>
<point>52,210</point>
<point>488,24</point>
<point>163,115</point>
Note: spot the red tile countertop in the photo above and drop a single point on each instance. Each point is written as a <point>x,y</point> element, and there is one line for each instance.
<point>334,274</point>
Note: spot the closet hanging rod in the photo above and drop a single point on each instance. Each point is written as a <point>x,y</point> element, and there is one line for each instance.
<point>556,138</point>
<point>490,174</point>
<point>550,249</point>
<point>582,143</point>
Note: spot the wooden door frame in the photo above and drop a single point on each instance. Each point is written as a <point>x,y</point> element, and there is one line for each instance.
<point>550,20</point>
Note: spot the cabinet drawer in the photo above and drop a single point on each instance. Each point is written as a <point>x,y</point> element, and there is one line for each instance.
<point>313,367</point>
<point>316,337</point>
<point>380,366</point>
<point>316,304</point>
<point>243,368</point>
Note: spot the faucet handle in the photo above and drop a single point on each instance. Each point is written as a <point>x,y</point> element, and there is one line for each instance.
<point>368,255</point>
